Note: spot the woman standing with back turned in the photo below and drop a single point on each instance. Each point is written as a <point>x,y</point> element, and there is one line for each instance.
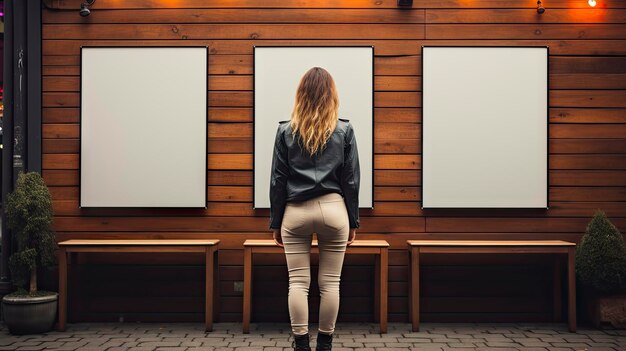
<point>314,188</point>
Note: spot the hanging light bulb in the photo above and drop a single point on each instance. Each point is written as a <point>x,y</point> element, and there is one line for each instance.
<point>592,3</point>
<point>540,8</point>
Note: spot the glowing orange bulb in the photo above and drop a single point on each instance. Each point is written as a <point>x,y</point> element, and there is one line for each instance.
<point>592,3</point>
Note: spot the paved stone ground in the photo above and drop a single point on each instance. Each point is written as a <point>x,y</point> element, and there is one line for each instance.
<point>348,336</point>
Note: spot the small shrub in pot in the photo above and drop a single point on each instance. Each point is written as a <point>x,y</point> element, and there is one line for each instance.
<point>601,270</point>
<point>29,217</point>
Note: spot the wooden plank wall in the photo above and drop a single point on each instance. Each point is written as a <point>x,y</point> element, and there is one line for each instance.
<point>587,152</point>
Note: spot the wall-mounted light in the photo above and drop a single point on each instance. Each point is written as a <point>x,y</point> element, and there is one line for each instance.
<point>540,8</point>
<point>592,3</point>
<point>405,3</point>
<point>84,8</point>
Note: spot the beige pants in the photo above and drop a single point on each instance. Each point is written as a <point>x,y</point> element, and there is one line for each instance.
<point>327,216</point>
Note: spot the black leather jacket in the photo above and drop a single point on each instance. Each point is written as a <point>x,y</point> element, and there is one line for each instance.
<point>296,176</point>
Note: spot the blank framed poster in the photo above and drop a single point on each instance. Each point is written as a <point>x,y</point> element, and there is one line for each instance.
<point>485,127</point>
<point>143,127</point>
<point>277,73</point>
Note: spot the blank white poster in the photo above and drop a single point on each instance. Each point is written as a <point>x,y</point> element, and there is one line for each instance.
<point>143,127</point>
<point>277,72</point>
<point>485,115</point>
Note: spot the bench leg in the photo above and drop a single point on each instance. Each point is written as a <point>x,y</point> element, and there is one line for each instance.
<point>377,260</point>
<point>384,283</point>
<point>216,290</point>
<point>415,289</point>
<point>409,289</point>
<point>62,262</point>
<point>556,289</point>
<point>208,298</point>
<point>247,288</point>
<point>571,288</point>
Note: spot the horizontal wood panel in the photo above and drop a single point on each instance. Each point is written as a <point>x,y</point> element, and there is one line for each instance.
<point>381,178</point>
<point>387,47</point>
<point>587,146</point>
<point>587,115</point>
<point>525,31</point>
<point>260,15</point>
<point>242,15</point>
<point>381,146</point>
<point>382,194</point>
<point>583,209</point>
<point>195,224</point>
<point>558,98</point>
<point>244,161</point>
<point>230,65</point>
<point>589,80</point>
<point>434,224</point>
<point>588,98</point>
<point>339,31</point>
<point>553,15</point>
<point>602,131</point>
<point>382,131</point>
<point>236,114</point>
<point>240,31</point>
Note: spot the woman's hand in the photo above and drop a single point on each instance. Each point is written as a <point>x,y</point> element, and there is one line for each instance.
<point>278,239</point>
<point>351,235</point>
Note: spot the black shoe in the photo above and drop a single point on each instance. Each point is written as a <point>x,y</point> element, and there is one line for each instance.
<point>301,342</point>
<point>324,342</point>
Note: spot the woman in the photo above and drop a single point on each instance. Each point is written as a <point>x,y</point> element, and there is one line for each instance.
<point>314,188</point>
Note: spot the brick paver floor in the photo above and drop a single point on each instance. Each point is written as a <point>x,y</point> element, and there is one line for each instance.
<point>348,336</point>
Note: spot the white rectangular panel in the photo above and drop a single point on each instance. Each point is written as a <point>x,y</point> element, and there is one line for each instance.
<point>277,72</point>
<point>485,115</point>
<point>143,127</point>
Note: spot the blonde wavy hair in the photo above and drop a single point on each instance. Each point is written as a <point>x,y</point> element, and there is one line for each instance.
<point>316,109</point>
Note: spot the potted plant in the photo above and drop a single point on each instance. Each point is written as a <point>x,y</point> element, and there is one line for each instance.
<point>601,271</point>
<point>29,217</point>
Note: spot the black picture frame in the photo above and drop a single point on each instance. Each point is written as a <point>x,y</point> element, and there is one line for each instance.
<point>254,47</point>
<point>206,142</point>
<point>547,128</point>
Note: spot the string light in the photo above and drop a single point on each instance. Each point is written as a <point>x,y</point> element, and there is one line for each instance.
<point>592,3</point>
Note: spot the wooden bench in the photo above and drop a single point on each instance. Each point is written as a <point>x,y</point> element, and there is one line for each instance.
<point>418,247</point>
<point>371,247</point>
<point>208,247</point>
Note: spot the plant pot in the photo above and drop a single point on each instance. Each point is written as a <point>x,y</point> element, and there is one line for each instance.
<point>29,314</point>
<point>607,309</point>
